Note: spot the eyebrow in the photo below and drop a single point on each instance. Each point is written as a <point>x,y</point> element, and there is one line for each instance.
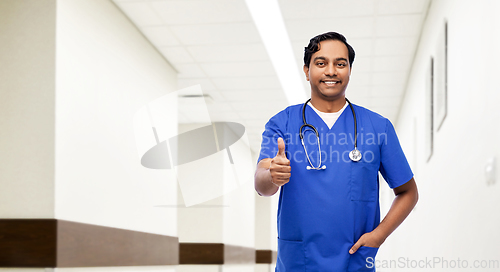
<point>323,58</point>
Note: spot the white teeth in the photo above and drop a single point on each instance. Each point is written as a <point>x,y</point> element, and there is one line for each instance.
<point>330,82</point>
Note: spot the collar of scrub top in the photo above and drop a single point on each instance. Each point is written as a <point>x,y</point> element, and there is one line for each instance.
<point>354,155</point>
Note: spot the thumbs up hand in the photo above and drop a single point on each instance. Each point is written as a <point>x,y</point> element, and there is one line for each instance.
<point>280,166</point>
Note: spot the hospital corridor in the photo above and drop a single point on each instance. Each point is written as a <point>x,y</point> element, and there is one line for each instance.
<point>249,135</point>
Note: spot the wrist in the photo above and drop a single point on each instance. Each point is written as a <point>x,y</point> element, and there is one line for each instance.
<point>378,236</point>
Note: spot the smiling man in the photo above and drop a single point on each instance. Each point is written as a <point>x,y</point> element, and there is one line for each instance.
<point>324,157</point>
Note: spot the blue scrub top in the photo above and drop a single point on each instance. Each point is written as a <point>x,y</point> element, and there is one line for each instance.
<point>322,213</point>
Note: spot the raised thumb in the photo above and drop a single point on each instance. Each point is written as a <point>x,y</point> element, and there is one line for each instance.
<point>281,147</point>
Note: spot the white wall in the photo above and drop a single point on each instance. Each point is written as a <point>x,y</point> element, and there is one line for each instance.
<point>457,213</point>
<point>27,80</point>
<point>201,223</point>
<point>229,216</point>
<point>73,74</point>
<point>239,216</point>
<point>107,71</point>
<point>266,232</point>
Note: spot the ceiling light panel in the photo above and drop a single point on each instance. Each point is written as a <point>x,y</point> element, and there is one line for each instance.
<point>230,52</point>
<point>210,34</point>
<point>389,78</point>
<point>182,12</point>
<point>401,7</point>
<point>360,79</point>
<point>360,90</point>
<point>298,51</point>
<point>362,46</point>
<point>392,63</point>
<point>216,44</point>
<point>237,69</point>
<point>250,83</point>
<point>267,17</point>
<point>395,46</point>
<point>303,30</point>
<point>358,98</point>
<point>315,9</point>
<point>388,112</point>
<point>398,25</point>
<point>386,90</point>
<point>254,95</point>
<point>361,65</point>
<point>387,101</point>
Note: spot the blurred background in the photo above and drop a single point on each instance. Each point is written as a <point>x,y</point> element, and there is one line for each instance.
<point>74,73</point>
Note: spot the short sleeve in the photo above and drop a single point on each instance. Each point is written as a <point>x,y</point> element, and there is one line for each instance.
<point>275,128</point>
<point>394,166</point>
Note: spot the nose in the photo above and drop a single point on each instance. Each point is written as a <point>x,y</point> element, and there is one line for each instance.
<point>330,70</point>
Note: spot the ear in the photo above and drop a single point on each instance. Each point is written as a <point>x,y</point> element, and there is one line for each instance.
<point>306,71</point>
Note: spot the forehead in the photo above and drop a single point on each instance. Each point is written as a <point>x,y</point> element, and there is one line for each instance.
<point>332,49</point>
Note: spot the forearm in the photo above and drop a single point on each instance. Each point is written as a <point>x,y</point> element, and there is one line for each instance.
<point>263,184</point>
<point>263,180</point>
<point>401,207</point>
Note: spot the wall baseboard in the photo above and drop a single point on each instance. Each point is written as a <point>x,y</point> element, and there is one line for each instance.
<point>59,243</point>
<point>263,256</point>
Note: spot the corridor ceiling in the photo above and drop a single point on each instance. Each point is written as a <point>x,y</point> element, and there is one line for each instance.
<point>215,43</point>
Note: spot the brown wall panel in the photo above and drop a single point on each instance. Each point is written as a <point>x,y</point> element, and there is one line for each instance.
<point>201,253</point>
<point>58,243</point>
<point>265,256</point>
<point>84,245</point>
<point>215,253</point>
<point>28,242</point>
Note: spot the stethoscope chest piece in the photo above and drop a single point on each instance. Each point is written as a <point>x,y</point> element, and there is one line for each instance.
<point>355,155</point>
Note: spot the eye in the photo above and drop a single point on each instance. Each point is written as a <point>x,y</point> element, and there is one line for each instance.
<point>342,64</point>
<point>320,63</point>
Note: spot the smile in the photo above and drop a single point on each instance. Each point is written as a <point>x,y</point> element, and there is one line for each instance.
<point>331,82</point>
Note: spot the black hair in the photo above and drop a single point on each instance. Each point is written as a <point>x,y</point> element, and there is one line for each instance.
<point>314,46</point>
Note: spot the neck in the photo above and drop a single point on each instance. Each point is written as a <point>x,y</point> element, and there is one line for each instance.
<point>328,105</point>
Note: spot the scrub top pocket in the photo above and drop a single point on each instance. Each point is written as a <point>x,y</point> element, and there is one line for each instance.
<point>291,256</point>
<point>363,259</point>
<point>364,181</point>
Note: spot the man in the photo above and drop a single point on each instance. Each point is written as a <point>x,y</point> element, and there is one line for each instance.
<point>329,215</point>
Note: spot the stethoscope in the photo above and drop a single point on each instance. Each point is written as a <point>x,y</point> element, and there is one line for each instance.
<point>354,155</point>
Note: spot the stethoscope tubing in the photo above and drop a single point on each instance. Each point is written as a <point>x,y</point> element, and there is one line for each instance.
<point>306,125</point>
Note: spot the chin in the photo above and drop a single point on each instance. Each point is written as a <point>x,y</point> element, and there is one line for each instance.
<point>331,95</point>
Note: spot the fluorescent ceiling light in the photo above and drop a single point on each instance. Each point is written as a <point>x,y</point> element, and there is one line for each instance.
<point>267,17</point>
